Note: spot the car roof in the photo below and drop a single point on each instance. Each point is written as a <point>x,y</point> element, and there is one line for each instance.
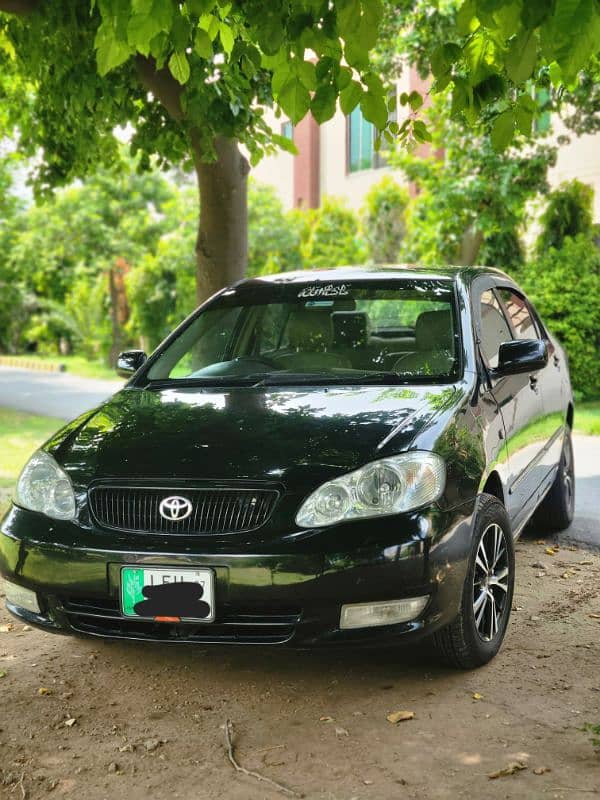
<point>378,272</point>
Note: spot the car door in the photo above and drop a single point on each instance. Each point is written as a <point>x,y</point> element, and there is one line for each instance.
<point>550,380</point>
<point>520,402</point>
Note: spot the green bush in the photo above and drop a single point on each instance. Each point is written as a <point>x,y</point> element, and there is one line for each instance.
<point>568,213</point>
<point>564,285</point>
<point>334,239</point>
<point>273,243</point>
<point>502,250</point>
<point>383,220</point>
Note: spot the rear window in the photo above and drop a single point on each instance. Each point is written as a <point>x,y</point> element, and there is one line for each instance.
<point>335,331</point>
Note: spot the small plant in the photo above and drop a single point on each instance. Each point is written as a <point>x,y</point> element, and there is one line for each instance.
<point>595,737</point>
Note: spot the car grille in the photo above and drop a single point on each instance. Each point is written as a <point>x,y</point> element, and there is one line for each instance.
<point>213,510</point>
<point>96,617</point>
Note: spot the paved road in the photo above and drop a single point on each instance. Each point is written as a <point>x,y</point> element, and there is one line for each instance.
<point>53,394</point>
<point>65,396</point>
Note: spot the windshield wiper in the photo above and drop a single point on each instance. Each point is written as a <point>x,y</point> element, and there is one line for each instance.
<point>324,378</point>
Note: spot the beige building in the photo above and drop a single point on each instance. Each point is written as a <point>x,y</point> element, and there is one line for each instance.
<point>338,159</point>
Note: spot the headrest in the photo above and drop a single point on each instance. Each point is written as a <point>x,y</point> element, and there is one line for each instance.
<point>350,328</point>
<point>310,329</point>
<point>433,331</point>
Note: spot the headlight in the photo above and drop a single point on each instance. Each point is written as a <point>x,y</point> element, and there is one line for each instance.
<point>389,486</point>
<point>43,486</point>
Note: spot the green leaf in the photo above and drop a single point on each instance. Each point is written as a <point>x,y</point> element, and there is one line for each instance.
<point>141,29</point>
<point>227,37</point>
<point>415,100</point>
<point>281,76</point>
<point>503,130</point>
<point>521,57</point>
<point>348,18</point>
<point>307,74</point>
<point>466,21</point>
<point>524,120</point>
<point>110,52</point>
<point>285,143</point>
<point>203,44</point>
<point>294,99</point>
<point>323,103</point>
<point>344,77</point>
<point>374,109</point>
<point>534,12</point>
<point>350,96</point>
<point>420,131</point>
<point>179,67</point>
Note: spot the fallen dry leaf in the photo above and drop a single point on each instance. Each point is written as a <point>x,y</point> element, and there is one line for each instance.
<point>541,770</point>
<point>550,551</point>
<point>400,716</point>
<point>70,722</point>
<point>477,696</point>
<point>43,690</point>
<point>325,719</point>
<point>594,616</point>
<point>509,769</point>
<point>341,732</point>
<point>7,628</point>
<point>2,673</point>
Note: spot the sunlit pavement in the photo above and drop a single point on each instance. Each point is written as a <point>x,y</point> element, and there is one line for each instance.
<point>66,396</point>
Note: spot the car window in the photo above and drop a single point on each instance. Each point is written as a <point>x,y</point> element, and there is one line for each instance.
<point>519,315</point>
<point>363,328</point>
<point>494,328</point>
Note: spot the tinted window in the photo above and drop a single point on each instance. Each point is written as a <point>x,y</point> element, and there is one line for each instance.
<point>519,315</point>
<point>343,330</point>
<point>494,328</point>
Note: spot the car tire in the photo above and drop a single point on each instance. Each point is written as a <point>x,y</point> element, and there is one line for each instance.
<point>555,512</point>
<point>476,634</point>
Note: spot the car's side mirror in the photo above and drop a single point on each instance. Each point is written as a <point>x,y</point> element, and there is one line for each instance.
<point>521,355</point>
<point>129,362</point>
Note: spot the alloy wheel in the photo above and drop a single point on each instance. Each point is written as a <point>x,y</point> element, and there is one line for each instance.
<point>491,582</point>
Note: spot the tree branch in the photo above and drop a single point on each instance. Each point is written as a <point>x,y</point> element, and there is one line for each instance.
<point>162,85</point>
<point>20,7</point>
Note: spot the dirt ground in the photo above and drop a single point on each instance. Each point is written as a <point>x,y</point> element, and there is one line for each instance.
<point>88,719</point>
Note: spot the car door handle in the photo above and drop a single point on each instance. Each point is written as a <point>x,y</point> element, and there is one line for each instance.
<point>533,382</point>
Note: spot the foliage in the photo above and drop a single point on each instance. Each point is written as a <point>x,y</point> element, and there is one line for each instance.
<point>568,213</point>
<point>334,239</point>
<point>502,249</point>
<point>273,243</point>
<point>383,220</point>
<point>471,196</point>
<point>212,65</point>
<point>564,285</point>
<point>495,55</point>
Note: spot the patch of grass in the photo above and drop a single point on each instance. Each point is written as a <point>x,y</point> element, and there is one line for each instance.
<point>75,365</point>
<point>587,418</point>
<point>20,435</point>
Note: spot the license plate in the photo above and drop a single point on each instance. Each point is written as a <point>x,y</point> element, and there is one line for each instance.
<point>168,595</point>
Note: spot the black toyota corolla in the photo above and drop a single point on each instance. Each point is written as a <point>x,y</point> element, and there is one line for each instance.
<point>341,456</point>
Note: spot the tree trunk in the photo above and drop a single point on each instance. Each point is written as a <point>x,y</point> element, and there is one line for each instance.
<point>119,308</point>
<point>222,243</point>
<point>470,246</point>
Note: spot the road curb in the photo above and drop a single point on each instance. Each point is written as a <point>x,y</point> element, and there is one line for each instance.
<point>32,363</point>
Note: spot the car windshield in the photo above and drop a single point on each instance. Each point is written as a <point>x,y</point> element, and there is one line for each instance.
<point>376,331</point>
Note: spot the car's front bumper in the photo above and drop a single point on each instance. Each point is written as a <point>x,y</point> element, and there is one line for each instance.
<point>286,591</point>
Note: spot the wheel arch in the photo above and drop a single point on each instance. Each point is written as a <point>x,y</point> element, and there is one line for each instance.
<point>493,485</point>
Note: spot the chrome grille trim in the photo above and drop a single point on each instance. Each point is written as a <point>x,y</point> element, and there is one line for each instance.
<point>215,510</point>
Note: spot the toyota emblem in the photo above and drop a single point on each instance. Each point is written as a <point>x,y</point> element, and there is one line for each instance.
<point>175,508</point>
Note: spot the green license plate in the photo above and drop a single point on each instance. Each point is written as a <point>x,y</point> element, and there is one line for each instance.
<point>168,594</point>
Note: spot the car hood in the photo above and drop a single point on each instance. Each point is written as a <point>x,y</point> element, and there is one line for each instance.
<point>245,433</point>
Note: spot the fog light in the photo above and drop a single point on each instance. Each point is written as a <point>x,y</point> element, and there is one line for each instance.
<point>21,597</point>
<point>387,612</point>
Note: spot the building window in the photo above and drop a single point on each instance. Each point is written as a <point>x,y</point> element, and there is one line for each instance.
<point>287,130</point>
<point>361,144</point>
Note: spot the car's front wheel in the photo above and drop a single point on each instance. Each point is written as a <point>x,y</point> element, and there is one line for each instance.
<point>476,634</point>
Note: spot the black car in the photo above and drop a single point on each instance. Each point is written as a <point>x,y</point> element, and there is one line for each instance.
<point>328,457</point>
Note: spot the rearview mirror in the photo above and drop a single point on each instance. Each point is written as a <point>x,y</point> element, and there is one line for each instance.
<point>521,355</point>
<point>129,362</point>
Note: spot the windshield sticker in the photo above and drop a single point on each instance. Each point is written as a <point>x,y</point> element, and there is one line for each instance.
<point>329,290</point>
